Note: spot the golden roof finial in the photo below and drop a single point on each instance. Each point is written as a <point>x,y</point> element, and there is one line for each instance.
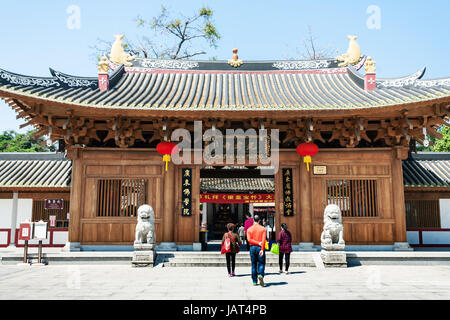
<point>103,66</point>
<point>235,62</point>
<point>369,66</point>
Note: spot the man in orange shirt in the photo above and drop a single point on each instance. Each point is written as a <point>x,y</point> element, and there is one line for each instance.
<point>256,236</point>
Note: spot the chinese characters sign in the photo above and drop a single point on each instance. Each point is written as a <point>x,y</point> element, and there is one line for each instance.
<point>236,198</point>
<point>57,204</point>
<point>288,197</point>
<point>186,192</point>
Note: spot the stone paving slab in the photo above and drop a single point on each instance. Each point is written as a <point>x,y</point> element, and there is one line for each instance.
<point>124,282</point>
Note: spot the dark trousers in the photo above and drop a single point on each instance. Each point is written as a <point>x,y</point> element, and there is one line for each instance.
<point>258,262</point>
<point>287,258</point>
<point>231,261</point>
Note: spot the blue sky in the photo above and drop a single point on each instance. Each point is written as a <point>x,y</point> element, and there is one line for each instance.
<point>412,34</point>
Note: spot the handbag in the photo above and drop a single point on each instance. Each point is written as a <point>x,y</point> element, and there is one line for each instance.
<point>275,249</point>
<point>226,246</point>
<point>235,243</point>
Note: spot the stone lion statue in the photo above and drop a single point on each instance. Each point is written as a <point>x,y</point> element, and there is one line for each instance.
<point>145,232</point>
<point>332,237</point>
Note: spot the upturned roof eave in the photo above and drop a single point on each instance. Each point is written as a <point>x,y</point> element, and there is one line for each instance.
<point>190,111</point>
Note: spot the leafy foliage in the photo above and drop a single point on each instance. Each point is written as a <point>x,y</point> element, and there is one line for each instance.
<point>443,145</point>
<point>170,37</point>
<point>11,141</point>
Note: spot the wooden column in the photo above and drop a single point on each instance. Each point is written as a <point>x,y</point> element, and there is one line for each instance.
<point>305,212</point>
<point>76,189</point>
<point>399,154</point>
<point>169,204</point>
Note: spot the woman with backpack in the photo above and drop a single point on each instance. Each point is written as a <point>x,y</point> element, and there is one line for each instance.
<point>284,241</point>
<point>230,246</point>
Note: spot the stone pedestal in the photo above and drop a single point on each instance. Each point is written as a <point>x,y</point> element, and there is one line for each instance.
<point>144,255</point>
<point>402,246</point>
<point>334,259</point>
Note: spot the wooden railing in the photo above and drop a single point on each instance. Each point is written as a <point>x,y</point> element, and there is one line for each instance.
<point>120,197</point>
<point>422,231</point>
<point>50,239</point>
<point>8,240</point>
<point>355,198</point>
<point>40,213</point>
<point>422,214</point>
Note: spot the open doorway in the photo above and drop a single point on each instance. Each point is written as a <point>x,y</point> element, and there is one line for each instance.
<point>228,193</point>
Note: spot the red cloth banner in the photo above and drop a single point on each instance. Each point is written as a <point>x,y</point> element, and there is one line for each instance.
<point>237,198</point>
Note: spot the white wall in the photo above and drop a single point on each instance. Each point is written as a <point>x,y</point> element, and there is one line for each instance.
<point>60,237</point>
<point>412,237</point>
<point>445,213</point>
<point>24,211</point>
<point>5,213</point>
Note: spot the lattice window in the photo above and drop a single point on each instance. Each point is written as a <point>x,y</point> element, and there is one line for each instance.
<point>355,198</point>
<point>40,213</point>
<point>422,214</point>
<point>120,197</point>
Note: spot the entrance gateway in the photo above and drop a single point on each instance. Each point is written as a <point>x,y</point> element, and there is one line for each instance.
<point>363,126</point>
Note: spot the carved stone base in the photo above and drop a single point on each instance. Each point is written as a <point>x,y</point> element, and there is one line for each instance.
<point>402,246</point>
<point>144,255</point>
<point>334,259</point>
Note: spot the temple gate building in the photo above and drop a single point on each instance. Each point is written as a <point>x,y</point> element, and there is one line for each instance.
<point>109,127</point>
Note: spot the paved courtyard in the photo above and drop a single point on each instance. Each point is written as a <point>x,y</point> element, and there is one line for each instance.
<point>125,282</point>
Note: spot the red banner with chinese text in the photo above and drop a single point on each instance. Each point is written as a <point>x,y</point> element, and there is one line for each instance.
<point>237,198</point>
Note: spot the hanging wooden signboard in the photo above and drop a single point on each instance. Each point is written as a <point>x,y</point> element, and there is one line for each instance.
<point>288,197</point>
<point>186,192</point>
<point>57,204</point>
<point>237,198</point>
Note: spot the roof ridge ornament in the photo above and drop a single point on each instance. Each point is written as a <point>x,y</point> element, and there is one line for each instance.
<point>235,62</point>
<point>369,66</point>
<point>353,54</point>
<point>118,55</point>
<point>103,65</point>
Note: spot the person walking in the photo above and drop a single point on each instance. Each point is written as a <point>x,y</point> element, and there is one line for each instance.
<point>284,242</point>
<point>256,237</point>
<point>234,248</point>
<point>247,224</point>
<point>241,233</point>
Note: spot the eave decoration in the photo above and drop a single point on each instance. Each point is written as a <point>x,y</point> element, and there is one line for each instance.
<point>353,54</point>
<point>235,62</point>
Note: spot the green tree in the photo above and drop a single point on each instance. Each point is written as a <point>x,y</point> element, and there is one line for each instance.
<point>11,141</point>
<point>170,37</point>
<point>443,145</point>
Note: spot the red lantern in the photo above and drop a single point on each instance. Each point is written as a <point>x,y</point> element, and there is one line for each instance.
<point>167,149</point>
<point>307,149</point>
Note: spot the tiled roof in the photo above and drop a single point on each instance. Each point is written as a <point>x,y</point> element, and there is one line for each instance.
<point>34,170</point>
<point>214,85</point>
<point>427,170</point>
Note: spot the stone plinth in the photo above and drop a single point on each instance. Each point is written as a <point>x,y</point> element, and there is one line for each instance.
<point>144,255</point>
<point>334,259</point>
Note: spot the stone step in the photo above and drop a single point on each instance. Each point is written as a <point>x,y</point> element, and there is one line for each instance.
<point>215,259</point>
<point>238,264</point>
